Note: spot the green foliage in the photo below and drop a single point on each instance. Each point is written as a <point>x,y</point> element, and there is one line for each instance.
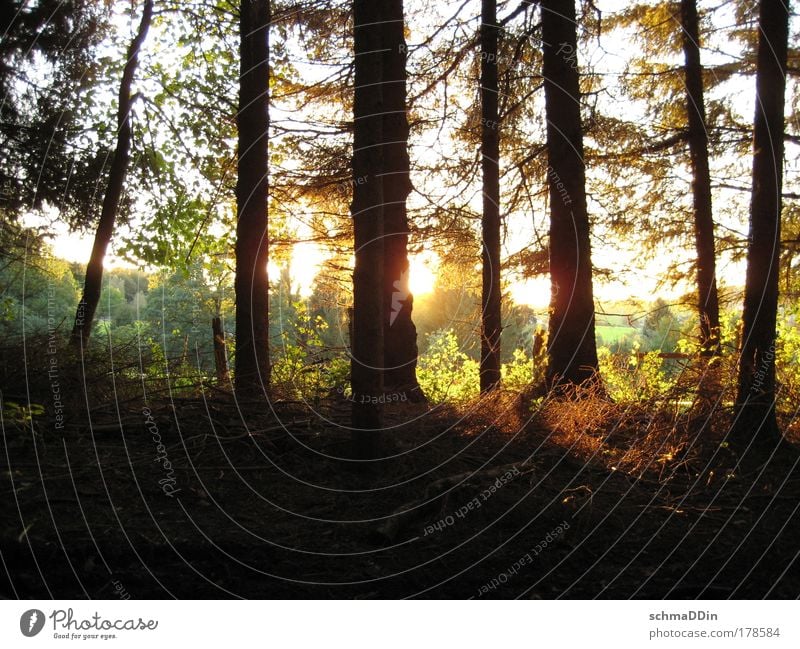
<point>39,287</point>
<point>21,415</point>
<point>446,373</point>
<point>730,323</point>
<point>49,149</point>
<point>113,306</point>
<point>517,373</point>
<point>662,328</point>
<point>787,361</point>
<point>448,309</point>
<point>620,338</point>
<point>168,239</point>
<point>634,377</point>
<point>178,311</point>
<point>301,367</point>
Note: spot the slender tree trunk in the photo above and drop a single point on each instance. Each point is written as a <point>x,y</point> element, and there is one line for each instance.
<point>756,389</point>
<point>367,211</point>
<point>400,334</point>
<point>491,324</point>
<point>252,188</point>
<point>220,351</point>
<point>571,346</point>
<point>93,284</point>
<point>708,301</point>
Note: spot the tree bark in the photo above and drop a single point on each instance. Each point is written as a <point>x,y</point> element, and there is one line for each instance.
<point>367,212</point>
<point>400,334</point>
<point>220,351</point>
<point>756,385</point>
<point>708,300</point>
<point>571,346</point>
<point>491,324</point>
<point>252,366</point>
<point>93,283</point>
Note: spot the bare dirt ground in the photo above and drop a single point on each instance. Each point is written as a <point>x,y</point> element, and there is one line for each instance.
<point>498,500</point>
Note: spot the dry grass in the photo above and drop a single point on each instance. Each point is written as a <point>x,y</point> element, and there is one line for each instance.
<point>664,438</point>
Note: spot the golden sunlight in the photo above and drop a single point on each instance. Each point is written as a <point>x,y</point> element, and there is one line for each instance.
<point>534,292</point>
<point>423,270</point>
<point>307,258</point>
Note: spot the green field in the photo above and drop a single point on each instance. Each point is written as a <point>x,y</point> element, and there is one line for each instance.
<point>612,334</point>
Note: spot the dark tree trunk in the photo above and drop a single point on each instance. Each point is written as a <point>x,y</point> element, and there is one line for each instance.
<point>220,351</point>
<point>490,223</point>
<point>571,346</point>
<point>252,187</point>
<point>367,211</point>
<point>93,284</point>
<point>400,334</point>
<point>708,301</point>
<point>756,389</point>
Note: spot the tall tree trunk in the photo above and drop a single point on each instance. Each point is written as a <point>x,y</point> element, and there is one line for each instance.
<point>400,334</point>
<point>708,301</point>
<point>252,367</point>
<point>220,350</point>
<point>93,284</point>
<point>571,346</point>
<point>367,211</point>
<point>490,223</point>
<point>756,389</point>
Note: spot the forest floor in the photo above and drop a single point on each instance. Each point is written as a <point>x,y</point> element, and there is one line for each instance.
<point>568,500</point>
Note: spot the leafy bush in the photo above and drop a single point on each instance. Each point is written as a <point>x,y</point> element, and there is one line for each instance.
<point>301,366</point>
<point>633,377</point>
<point>446,373</point>
<point>21,415</point>
<point>517,374</point>
<point>787,360</point>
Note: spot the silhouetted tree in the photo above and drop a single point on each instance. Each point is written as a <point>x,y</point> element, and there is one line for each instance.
<point>400,334</point>
<point>252,366</point>
<point>756,385</point>
<point>571,347</point>
<point>84,317</point>
<point>491,324</point>
<point>367,211</point>
<point>708,301</point>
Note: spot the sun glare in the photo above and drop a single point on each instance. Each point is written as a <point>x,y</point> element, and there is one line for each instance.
<point>534,292</point>
<point>307,258</point>
<point>422,277</point>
